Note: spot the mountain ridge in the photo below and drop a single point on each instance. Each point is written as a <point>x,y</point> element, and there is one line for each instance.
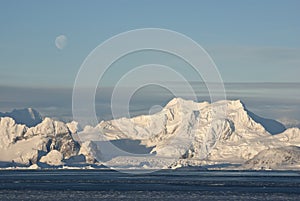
<point>183,133</point>
<point>28,116</point>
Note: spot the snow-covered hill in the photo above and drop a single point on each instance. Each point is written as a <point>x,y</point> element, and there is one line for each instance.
<point>287,157</point>
<point>183,133</point>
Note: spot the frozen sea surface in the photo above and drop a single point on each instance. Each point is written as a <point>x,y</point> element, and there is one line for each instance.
<point>162,185</point>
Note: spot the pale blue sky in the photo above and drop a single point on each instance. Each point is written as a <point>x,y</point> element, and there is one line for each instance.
<point>250,41</point>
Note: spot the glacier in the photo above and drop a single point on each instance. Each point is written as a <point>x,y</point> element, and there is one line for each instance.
<point>219,135</point>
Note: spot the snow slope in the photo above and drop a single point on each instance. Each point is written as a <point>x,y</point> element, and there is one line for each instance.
<point>287,157</point>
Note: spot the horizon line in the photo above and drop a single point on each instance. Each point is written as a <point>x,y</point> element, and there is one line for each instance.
<point>111,86</point>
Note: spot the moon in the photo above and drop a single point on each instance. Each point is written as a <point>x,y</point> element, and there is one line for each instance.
<point>61,41</point>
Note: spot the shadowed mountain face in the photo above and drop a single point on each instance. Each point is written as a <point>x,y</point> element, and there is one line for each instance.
<point>272,126</point>
<point>131,146</point>
<point>27,116</point>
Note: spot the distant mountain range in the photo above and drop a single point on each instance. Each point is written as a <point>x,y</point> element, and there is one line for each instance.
<point>220,135</point>
<point>27,116</point>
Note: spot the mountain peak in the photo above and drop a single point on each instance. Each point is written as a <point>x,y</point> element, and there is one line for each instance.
<point>175,101</point>
<point>28,116</point>
<point>184,104</point>
<point>238,103</point>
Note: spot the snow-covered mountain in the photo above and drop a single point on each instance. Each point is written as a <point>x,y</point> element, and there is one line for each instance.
<point>183,133</point>
<point>26,146</point>
<point>27,116</point>
<point>187,133</point>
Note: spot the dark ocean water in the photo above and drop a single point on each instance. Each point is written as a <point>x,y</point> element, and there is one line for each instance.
<point>162,185</point>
